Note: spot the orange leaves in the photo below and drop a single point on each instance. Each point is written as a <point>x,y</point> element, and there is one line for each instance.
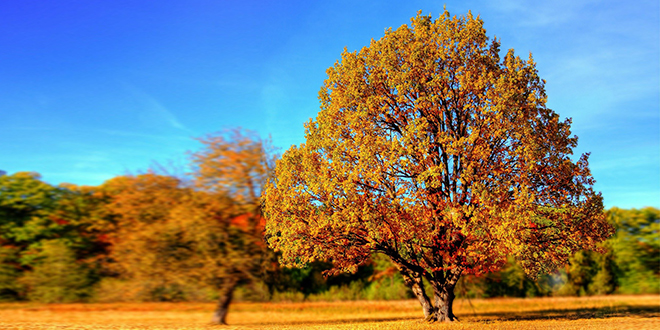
<point>235,162</point>
<point>208,230</point>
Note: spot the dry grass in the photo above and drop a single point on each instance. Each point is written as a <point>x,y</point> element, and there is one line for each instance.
<point>614,312</point>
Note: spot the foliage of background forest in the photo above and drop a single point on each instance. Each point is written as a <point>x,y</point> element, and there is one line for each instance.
<point>153,237</point>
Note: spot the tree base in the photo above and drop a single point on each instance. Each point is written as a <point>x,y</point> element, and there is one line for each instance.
<point>434,317</point>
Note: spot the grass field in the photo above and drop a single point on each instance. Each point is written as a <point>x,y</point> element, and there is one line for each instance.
<point>611,312</point>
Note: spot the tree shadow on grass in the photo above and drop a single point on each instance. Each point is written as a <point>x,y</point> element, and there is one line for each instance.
<point>545,314</point>
<point>570,314</point>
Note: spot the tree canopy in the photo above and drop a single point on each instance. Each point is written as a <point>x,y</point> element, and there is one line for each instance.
<point>433,149</point>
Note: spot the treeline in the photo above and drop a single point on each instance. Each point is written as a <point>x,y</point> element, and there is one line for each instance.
<point>199,237</point>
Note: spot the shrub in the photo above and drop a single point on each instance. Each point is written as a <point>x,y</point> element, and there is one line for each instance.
<point>56,276</point>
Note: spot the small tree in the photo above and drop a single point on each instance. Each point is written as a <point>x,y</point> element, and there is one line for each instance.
<point>433,150</point>
<point>234,166</point>
<point>170,232</point>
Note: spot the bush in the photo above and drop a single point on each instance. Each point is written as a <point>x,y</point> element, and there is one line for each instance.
<point>345,292</point>
<point>390,288</point>
<point>256,291</point>
<point>56,276</point>
<point>642,282</point>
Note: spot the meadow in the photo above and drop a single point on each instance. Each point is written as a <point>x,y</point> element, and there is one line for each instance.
<point>602,312</point>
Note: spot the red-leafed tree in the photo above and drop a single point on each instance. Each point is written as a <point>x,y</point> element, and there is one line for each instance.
<point>432,149</point>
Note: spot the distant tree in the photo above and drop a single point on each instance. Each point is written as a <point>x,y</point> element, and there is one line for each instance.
<point>509,281</point>
<point>235,163</point>
<point>604,282</point>
<point>10,273</point>
<point>636,249</point>
<point>234,166</point>
<point>136,200</point>
<point>137,209</point>
<point>32,213</point>
<point>26,204</point>
<point>82,210</point>
<point>579,273</point>
<point>210,231</point>
<point>432,150</point>
<point>56,276</point>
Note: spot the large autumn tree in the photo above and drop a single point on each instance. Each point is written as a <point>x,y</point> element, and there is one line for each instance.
<point>432,149</point>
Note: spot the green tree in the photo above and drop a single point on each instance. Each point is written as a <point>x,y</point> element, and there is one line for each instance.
<point>433,150</point>
<point>579,274</point>
<point>26,204</point>
<point>33,212</point>
<point>386,283</point>
<point>56,276</point>
<point>512,281</point>
<point>82,210</point>
<point>636,249</point>
<point>604,282</point>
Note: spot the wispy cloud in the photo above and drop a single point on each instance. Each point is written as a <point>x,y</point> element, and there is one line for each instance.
<point>598,57</point>
<point>153,111</point>
<point>149,136</point>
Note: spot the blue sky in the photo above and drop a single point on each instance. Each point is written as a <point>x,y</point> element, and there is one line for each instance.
<point>94,89</point>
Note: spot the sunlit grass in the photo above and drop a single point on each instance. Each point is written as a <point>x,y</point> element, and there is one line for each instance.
<point>614,312</point>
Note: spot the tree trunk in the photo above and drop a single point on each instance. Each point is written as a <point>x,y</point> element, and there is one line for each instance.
<point>226,293</point>
<point>443,284</point>
<point>443,296</point>
<point>415,283</point>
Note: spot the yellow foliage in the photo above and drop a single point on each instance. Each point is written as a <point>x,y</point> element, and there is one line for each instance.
<point>431,148</point>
